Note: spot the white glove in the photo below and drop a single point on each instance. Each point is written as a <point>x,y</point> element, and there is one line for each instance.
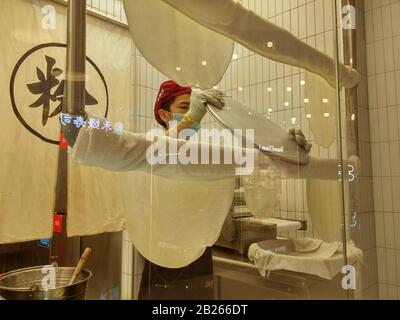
<point>198,100</point>
<point>298,136</point>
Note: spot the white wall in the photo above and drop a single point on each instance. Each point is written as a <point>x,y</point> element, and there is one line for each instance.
<point>382,22</point>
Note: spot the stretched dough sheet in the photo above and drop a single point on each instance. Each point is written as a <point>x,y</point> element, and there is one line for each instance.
<point>322,106</point>
<point>324,199</point>
<point>177,46</point>
<point>269,138</point>
<point>171,222</point>
<point>231,19</point>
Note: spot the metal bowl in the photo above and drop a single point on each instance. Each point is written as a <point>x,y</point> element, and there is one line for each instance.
<point>26,284</point>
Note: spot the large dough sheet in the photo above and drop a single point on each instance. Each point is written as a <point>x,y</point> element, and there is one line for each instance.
<point>322,106</point>
<point>172,222</point>
<point>176,45</point>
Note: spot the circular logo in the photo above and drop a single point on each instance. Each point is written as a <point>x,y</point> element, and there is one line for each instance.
<point>37,90</point>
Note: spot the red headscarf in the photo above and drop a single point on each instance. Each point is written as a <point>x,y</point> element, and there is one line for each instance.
<point>168,91</point>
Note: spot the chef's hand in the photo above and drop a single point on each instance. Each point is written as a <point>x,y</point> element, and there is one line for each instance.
<point>198,100</point>
<point>298,136</point>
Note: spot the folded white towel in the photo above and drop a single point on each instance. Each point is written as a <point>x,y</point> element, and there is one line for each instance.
<point>311,256</point>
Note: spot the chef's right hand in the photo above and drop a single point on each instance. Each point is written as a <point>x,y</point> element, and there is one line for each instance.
<point>298,136</point>
<point>198,100</point>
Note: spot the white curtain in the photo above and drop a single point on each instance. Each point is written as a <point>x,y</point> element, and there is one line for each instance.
<point>30,126</point>
<point>95,195</point>
<point>27,163</point>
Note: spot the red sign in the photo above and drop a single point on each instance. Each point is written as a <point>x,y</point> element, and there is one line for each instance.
<point>57,224</point>
<point>63,142</point>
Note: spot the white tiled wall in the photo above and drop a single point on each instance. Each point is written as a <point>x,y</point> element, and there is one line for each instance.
<point>382,22</point>
<point>111,8</point>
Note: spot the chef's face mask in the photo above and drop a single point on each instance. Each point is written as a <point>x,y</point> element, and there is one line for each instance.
<point>186,133</point>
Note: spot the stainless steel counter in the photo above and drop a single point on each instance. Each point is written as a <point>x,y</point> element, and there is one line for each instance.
<point>236,277</point>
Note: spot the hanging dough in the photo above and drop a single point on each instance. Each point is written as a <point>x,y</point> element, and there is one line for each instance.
<point>172,221</point>
<point>321,106</point>
<point>324,204</point>
<point>261,191</point>
<point>177,46</point>
<point>231,19</point>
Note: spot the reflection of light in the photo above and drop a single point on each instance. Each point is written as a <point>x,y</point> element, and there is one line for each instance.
<point>235,56</point>
<point>178,68</point>
<point>269,109</point>
<point>353,117</point>
<point>308,115</point>
<point>240,88</point>
<point>325,100</point>
<point>302,82</point>
<point>289,89</point>
<point>76,76</point>
<point>286,104</point>
<point>306,100</point>
<point>270,44</point>
<point>269,89</point>
<point>250,114</point>
<point>327,114</point>
<point>204,63</point>
<point>215,87</point>
<point>294,120</point>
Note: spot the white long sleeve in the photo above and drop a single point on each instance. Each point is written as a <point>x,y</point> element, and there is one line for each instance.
<point>128,151</point>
